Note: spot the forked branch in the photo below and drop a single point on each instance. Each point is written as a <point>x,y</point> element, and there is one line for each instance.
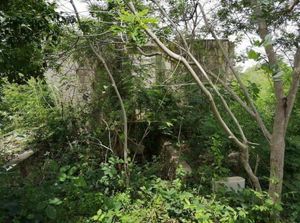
<point>257,116</point>
<point>242,146</point>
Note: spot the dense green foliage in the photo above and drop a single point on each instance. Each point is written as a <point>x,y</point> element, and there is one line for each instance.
<point>28,30</point>
<point>77,174</point>
<point>78,187</point>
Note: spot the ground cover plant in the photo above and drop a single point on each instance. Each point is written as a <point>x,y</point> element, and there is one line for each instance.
<point>130,111</point>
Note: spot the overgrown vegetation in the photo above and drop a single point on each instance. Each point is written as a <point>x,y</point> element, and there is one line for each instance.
<point>77,128</point>
<point>74,179</point>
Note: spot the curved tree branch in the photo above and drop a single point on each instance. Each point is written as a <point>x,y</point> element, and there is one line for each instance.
<point>242,146</point>
<point>294,87</point>
<point>187,50</point>
<point>243,87</point>
<point>124,115</point>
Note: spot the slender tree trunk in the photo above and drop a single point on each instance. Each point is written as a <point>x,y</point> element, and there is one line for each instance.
<point>245,162</point>
<point>276,168</point>
<point>277,150</point>
<point>114,85</point>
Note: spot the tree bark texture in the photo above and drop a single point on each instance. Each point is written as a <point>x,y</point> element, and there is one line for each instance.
<point>277,151</point>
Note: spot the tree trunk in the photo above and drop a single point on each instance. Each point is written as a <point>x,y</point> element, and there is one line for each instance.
<point>277,150</point>
<point>245,162</point>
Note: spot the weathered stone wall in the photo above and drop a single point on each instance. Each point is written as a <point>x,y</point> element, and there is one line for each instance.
<point>74,81</point>
<point>207,52</point>
<point>211,57</point>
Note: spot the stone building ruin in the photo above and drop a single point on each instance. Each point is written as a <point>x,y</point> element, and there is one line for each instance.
<point>74,80</point>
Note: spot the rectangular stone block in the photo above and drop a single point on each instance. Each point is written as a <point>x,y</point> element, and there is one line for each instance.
<point>235,183</point>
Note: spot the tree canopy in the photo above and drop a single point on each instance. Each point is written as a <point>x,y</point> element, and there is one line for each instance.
<point>28,29</point>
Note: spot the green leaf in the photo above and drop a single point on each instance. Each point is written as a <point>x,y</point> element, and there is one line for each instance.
<point>30,216</point>
<point>257,43</point>
<point>265,2</point>
<point>51,212</point>
<point>55,201</point>
<point>253,55</point>
<point>150,20</point>
<point>72,170</point>
<point>266,67</point>
<point>62,177</point>
<point>143,12</point>
<point>127,17</point>
<point>169,124</point>
<point>80,182</point>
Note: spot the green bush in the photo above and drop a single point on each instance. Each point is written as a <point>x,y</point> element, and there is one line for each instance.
<point>152,199</point>
<point>26,106</point>
<point>34,108</point>
<point>81,192</point>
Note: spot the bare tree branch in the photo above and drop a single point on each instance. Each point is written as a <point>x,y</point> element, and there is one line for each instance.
<point>236,75</point>
<point>242,146</point>
<point>124,115</point>
<point>220,95</point>
<point>195,76</point>
<point>172,23</point>
<point>148,54</point>
<point>186,49</point>
<point>294,87</point>
<point>292,5</point>
<point>233,94</point>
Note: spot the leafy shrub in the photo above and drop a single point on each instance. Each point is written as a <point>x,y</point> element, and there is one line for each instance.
<point>25,106</point>
<point>33,108</point>
<point>80,192</point>
<point>156,200</point>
